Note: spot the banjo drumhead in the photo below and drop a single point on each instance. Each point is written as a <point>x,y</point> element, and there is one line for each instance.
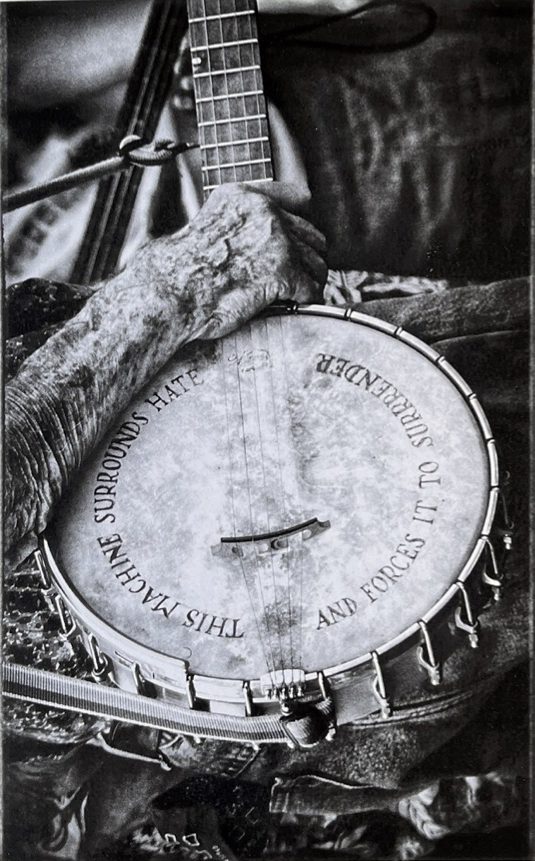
<point>354,460</point>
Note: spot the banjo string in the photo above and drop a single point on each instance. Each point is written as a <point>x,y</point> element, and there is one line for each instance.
<point>259,565</point>
<point>256,569</point>
<point>233,507</point>
<point>301,551</point>
<point>283,507</point>
<point>258,111</point>
<point>282,492</point>
<point>251,516</point>
<point>268,519</point>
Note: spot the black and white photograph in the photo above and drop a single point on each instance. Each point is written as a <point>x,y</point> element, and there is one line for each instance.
<point>266,431</point>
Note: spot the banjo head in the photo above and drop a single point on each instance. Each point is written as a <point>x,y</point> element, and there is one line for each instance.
<point>288,500</point>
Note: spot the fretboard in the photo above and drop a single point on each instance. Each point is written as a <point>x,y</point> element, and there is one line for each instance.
<point>231,108</point>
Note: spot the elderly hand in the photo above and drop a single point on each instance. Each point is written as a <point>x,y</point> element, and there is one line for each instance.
<point>244,249</point>
<point>251,249</point>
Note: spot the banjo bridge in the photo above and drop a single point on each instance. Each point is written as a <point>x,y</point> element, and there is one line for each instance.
<point>269,542</point>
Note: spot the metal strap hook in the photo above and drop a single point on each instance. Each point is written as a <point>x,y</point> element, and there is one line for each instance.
<point>426,656</point>
<point>507,527</point>
<point>379,688</point>
<point>495,581</point>
<point>100,661</point>
<point>469,623</point>
<point>43,573</point>
<point>138,152</point>
<point>132,151</point>
<point>68,630</point>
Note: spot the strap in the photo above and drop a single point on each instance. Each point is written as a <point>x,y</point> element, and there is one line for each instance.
<point>131,152</point>
<point>65,692</point>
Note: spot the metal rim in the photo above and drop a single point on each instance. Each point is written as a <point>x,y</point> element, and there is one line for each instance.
<point>178,666</point>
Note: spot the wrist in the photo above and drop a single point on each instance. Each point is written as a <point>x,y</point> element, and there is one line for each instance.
<point>180,277</point>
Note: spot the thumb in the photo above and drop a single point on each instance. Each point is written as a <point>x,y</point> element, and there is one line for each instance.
<point>288,195</point>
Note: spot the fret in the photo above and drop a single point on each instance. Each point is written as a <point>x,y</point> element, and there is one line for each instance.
<point>228,71</point>
<point>245,173</point>
<point>212,35</point>
<point>226,96</point>
<point>221,59</point>
<point>227,132</point>
<point>224,45</point>
<point>243,119</point>
<point>233,142</point>
<point>222,109</point>
<point>222,152</point>
<point>236,163</point>
<point>216,8</point>
<point>249,181</point>
<point>226,83</point>
<point>204,18</point>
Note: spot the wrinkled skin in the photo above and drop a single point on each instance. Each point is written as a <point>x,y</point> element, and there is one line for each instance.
<point>244,250</point>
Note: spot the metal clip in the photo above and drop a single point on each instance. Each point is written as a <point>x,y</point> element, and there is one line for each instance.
<point>139,152</point>
<point>143,686</point>
<point>426,656</point>
<point>47,590</point>
<point>248,697</point>
<point>379,689</point>
<point>100,661</point>
<point>325,690</point>
<point>139,681</point>
<point>324,685</point>
<point>43,573</point>
<point>507,538</point>
<point>68,631</point>
<point>469,623</point>
<point>507,528</point>
<point>494,581</point>
<point>190,690</point>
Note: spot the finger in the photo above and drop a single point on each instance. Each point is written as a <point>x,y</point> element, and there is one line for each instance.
<point>306,232</point>
<point>236,308</point>
<point>313,263</point>
<point>315,266</point>
<point>302,288</point>
<point>291,197</point>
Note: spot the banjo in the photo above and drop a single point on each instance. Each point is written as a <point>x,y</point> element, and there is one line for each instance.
<point>287,525</point>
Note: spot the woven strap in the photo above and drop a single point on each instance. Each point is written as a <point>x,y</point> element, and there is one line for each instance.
<point>301,729</point>
<point>65,692</point>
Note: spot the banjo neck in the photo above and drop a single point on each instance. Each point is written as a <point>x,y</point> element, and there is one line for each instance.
<point>229,94</point>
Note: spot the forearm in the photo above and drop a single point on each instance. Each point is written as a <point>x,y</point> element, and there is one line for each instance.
<point>66,394</point>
